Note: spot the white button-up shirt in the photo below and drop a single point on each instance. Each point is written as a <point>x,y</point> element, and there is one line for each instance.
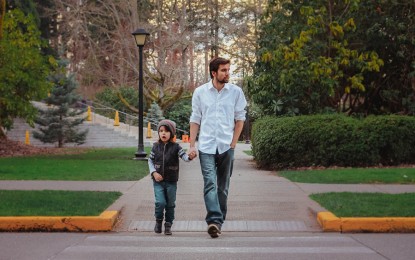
<point>216,112</point>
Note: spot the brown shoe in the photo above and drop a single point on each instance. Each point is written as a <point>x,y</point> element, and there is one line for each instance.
<point>213,230</point>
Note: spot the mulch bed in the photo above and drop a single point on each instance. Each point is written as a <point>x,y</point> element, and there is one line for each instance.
<point>10,148</point>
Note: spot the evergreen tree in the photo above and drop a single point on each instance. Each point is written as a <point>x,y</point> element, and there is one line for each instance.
<point>154,114</point>
<point>60,120</point>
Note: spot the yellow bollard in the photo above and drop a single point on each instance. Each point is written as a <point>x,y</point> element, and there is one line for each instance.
<point>149,130</point>
<point>117,119</point>
<point>27,140</point>
<point>88,117</point>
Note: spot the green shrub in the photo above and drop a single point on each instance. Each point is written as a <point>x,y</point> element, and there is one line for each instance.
<point>391,138</point>
<point>333,140</point>
<point>108,97</point>
<point>180,113</point>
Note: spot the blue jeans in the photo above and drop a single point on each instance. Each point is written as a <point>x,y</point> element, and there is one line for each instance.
<point>165,199</point>
<point>216,171</point>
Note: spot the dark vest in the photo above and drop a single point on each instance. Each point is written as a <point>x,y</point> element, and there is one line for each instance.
<point>166,160</point>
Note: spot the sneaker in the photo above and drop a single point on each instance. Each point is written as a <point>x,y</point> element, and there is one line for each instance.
<point>167,228</point>
<point>214,230</point>
<point>158,226</point>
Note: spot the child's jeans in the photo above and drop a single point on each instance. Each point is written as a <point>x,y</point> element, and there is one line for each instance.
<point>165,199</point>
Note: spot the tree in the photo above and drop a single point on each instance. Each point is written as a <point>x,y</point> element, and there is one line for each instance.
<point>184,35</point>
<point>154,114</point>
<point>23,69</point>
<point>389,28</point>
<point>59,121</point>
<point>336,56</point>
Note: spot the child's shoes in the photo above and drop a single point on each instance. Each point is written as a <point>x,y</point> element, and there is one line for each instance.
<point>158,226</point>
<point>167,228</point>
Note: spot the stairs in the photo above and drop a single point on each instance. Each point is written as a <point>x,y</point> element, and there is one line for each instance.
<point>101,133</point>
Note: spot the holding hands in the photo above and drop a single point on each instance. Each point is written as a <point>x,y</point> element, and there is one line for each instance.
<point>192,153</point>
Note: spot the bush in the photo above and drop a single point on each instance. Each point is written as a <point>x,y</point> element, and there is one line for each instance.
<point>108,97</point>
<point>333,140</point>
<point>180,113</point>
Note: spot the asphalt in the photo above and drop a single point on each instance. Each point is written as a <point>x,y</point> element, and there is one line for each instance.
<point>258,200</point>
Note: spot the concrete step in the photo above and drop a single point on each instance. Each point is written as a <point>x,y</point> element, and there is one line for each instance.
<point>99,135</point>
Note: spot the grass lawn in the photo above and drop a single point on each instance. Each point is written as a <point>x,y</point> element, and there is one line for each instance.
<point>349,204</point>
<point>55,203</point>
<point>353,175</point>
<point>115,164</point>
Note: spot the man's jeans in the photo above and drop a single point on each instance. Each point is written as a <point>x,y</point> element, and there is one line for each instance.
<point>216,170</point>
<point>165,199</point>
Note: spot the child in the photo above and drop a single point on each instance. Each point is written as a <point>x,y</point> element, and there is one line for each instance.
<point>164,169</point>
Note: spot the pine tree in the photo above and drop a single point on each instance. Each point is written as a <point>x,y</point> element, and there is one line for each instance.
<point>154,114</point>
<point>59,121</point>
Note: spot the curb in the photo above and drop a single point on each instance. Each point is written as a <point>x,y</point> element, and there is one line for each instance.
<point>103,222</point>
<point>330,223</point>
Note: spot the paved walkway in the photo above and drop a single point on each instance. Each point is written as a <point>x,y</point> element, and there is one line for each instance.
<point>258,200</point>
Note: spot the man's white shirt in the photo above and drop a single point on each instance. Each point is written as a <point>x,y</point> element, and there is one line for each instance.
<point>216,112</point>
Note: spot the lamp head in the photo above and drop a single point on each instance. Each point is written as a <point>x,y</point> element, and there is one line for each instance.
<point>140,36</point>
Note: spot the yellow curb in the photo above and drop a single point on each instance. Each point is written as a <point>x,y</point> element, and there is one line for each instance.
<point>329,222</point>
<point>103,222</point>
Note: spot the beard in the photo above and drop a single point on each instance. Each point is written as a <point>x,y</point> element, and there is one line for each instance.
<point>224,80</point>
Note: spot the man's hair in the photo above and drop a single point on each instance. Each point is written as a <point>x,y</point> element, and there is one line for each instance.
<point>214,64</point>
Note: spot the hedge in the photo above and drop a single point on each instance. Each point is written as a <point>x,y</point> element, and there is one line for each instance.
<point>333,140</point>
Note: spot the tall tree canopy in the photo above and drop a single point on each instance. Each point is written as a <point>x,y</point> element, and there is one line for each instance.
<point>23,68</point>
<point>184,35</point>
<point>338,55</point>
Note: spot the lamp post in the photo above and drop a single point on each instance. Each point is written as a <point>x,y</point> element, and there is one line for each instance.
<point>140,39</point>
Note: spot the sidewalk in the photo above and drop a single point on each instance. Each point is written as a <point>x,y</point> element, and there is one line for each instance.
<point>258,200</point>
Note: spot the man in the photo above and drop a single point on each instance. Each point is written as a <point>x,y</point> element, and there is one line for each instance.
<point>218,111</point>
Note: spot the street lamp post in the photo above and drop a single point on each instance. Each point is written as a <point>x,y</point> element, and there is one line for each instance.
<point>140,39</point>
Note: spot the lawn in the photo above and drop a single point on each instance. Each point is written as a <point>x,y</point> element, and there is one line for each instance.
<point>114,164</point>
<point>353,175</point>
<point>55,203</point>
<point>353,204</point>
<point>350,204</point>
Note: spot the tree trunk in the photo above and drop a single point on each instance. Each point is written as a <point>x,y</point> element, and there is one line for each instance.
<point>2,133</point>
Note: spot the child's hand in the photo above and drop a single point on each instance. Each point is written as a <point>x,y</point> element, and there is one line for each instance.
<point>157,177</point>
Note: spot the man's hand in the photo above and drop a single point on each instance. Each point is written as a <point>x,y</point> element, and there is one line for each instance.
<point>193,152</point>
<point>157,177</point>
<point>192,155</point>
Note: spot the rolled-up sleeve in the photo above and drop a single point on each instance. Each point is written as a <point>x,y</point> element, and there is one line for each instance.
<point>240,107</point>
<point>196,115</point>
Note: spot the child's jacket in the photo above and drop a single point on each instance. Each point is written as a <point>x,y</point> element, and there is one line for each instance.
<point>164,159</point>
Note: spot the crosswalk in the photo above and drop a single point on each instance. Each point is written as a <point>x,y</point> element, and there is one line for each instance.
<point>232,245</point>
<point>232,225</point>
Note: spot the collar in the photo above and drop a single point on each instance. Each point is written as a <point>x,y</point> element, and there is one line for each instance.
<point>210,85</point>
